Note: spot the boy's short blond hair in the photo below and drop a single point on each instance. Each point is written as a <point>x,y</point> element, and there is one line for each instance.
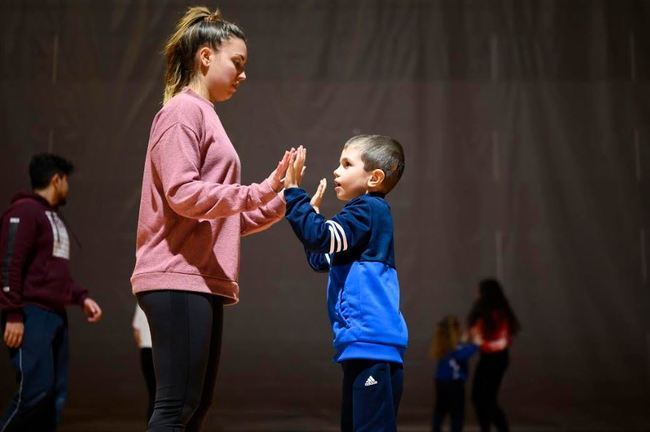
<point>380,152</point>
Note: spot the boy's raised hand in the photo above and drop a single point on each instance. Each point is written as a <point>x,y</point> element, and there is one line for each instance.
<point>317,199</point>
<point>296,169</point>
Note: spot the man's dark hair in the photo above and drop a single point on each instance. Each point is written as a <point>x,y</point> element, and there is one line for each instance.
<point>44,166</point>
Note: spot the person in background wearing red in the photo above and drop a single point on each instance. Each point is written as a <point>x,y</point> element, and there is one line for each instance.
<point>36,287</point>
<point>493,322</point>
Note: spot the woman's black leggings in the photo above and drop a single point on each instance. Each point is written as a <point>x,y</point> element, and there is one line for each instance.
<point>485,390</point>
<point>186,332</point>
<point>146,365</point>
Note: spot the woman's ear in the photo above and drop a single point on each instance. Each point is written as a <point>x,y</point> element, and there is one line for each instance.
<point>204,55</point>
<point>376,178</point>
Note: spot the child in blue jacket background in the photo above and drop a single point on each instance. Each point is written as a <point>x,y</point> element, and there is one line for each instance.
<point>356,248</point>
<point>452,356</point>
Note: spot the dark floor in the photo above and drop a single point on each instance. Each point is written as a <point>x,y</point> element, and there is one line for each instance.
<point>295,425</point>
<point>121,417</point>
<point>255,422</point>
<point>277,425</point>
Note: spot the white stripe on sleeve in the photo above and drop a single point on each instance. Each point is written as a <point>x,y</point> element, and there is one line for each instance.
<point>342,232</point>
<point>331,238</point>
<point>336,236</point>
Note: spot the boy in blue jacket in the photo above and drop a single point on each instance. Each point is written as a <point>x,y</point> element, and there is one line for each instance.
<point>356,248</point>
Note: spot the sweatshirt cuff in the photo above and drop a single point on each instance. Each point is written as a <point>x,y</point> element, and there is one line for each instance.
<point>15,316</point>
<point>278,205</point>
<point>81,299</point>
<point>267,191</point>
<point>79,295</point>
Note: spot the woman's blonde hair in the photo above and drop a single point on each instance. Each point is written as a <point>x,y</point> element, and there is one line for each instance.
<point>197,28</point>
<point>447,337</point>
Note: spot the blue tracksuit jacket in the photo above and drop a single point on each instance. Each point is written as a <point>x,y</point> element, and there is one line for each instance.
<point>356,247</point>
<point>453,366</point>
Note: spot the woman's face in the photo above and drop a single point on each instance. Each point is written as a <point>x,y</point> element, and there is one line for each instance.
<point>226,69</point>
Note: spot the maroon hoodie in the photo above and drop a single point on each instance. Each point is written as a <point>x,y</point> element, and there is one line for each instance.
<point>35,258</point>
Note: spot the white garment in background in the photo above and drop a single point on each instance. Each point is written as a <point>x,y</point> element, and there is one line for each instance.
<point>140,323</point>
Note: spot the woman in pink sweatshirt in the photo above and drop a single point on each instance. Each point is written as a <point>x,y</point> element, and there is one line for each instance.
<point>193,212</point>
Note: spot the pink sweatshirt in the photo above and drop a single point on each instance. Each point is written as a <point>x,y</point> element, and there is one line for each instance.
<point>193,211</point>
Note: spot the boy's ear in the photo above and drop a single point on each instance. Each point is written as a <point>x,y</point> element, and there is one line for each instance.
<point>377,177</point>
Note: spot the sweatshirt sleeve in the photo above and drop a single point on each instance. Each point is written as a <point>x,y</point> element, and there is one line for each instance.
<point>348,229</point>
<point>176,161</point>
<point>79,293</point>
<point>19,234</point>
<point>254,221</point>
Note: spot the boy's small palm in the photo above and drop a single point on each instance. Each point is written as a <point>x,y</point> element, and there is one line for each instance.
<point>317,199</point>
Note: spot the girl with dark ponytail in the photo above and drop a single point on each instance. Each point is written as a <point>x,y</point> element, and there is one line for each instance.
<point>193,212</point>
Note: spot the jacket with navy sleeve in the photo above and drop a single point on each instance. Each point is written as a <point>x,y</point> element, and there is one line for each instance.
<point>453,366</point>
<point>356,248</point>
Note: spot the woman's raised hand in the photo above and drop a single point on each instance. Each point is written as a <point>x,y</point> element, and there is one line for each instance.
<point>277,176</point>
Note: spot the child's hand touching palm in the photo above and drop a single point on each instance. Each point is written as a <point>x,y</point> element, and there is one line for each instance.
<point>296,169</point>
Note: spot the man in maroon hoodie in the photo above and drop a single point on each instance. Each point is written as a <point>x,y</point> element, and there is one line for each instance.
<point>36,285</point>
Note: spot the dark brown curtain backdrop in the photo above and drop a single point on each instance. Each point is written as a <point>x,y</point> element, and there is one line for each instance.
<point>525,125</point>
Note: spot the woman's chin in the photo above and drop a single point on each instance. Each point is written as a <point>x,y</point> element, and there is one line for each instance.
<point>226,95</point>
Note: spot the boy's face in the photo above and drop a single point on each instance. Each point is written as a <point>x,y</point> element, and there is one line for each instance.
<point>350,178</point>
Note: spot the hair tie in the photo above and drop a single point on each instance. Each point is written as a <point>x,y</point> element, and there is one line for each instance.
<point>213,18</point>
